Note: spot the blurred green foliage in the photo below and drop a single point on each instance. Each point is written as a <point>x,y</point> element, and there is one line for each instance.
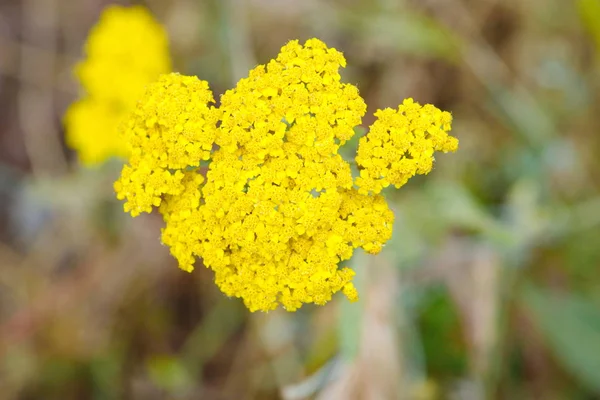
<point>443,338</point>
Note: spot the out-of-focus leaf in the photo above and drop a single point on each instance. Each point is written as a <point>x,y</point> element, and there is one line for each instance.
<point>212,332</point>
<point>523,115</point>
<point>314,383</point>
<point>407,244</point>
<point>571,326</point>
<point>443,344</point>
<point>526,219</point>
<point>414,361</point>
<point>458,207</point>
<point>169,373</point>
<point>105,370</point>
<point>57,372</point>
<point>558,75</point>
<point>323,350</point>
<point>585,215</point>
<point>409,32</point>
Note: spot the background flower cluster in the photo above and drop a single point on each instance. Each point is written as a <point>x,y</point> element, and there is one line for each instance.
<point>126,50</point>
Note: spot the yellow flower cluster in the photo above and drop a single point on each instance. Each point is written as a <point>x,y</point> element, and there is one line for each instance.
<point>277,210</point>
<point>400,145</point>
<point>172,129</point>
<point>125,51</point>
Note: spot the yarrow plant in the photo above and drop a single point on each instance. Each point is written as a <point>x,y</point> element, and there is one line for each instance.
<point>277,209</point>
<point>126,50</point>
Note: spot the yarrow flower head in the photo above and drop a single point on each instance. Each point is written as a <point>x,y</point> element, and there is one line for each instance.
<point>277,209</point>
<point>125,51</point>
<point>400,145</point>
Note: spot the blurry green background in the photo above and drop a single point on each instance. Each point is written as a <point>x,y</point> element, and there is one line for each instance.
<point>489,288</point>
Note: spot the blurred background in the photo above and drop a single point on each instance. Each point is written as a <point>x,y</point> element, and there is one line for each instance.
<point>489,288</point>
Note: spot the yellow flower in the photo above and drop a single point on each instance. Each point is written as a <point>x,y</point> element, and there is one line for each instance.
<point>278,209</point>
<point>173,128</point>
<point>401,143</point>
<point>125,51</point>
<point>92,129</point>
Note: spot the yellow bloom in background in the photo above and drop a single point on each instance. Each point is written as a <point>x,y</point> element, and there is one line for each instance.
<point>278,209</point>
<point>92,130</point>
<point>125,51</point>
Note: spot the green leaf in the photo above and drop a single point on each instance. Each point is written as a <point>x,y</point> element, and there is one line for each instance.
<point>524,115</point>
<point>405,31</point>
<point>169,373</point>
<point>571,326</point>
<point>211,334</point>
<point>443,339</point>
<point>460,208</point>
<point>105,370</point>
